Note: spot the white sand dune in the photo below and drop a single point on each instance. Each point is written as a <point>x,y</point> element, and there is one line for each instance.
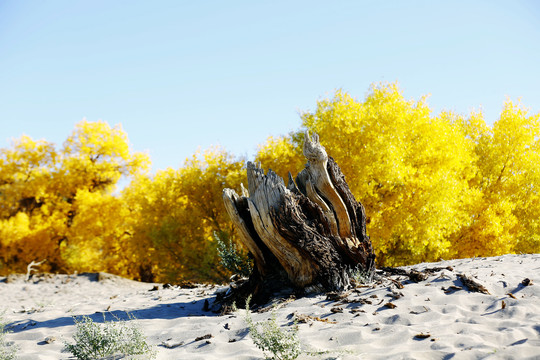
<point>460,324</point>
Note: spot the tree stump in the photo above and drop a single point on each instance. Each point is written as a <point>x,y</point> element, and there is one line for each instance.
<point>310,234</point>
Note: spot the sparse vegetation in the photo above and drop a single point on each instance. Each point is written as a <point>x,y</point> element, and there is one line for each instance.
<point>362,277</point>
<point>117,337</point>
<point>230,257</point>
<point>282,344</point>
<point>7,351</point>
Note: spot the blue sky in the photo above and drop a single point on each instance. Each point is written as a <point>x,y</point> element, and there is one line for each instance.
<point>183,75</point>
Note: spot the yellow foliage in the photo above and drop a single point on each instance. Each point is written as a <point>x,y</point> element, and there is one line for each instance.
<point>504,216</point>
<point>406,167</point>
<point>95,156</point>
<point>56,205</point>
<point>98,233</point>
<point>282,154</point>
<point>176,213</point>
<point>433,187</point>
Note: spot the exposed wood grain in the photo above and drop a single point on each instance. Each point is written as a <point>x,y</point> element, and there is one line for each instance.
<point>318,176</point>
<point>312,231</point>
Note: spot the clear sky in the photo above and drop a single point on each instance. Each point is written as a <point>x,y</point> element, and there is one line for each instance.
<point>182,75</point>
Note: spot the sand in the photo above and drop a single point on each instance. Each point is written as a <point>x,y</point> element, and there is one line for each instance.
<point>454,323</point>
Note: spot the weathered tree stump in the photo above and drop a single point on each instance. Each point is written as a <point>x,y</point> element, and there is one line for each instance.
<point>310,234</point>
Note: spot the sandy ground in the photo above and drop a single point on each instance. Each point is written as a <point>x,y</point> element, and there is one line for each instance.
<point>456,323</point>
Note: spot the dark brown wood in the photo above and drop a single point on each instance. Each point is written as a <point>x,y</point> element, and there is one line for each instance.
<point>413,275</point>
<point>471,284</point>
<point>308,234</point>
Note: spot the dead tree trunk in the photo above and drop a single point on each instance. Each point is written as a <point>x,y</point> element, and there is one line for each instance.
<point>308,234</point>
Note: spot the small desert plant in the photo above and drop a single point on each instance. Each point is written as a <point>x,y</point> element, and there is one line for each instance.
<point>362,276</point>
<point>120,338</point>
<point>230,257</point>
<point>271,338</point>
<point>7,351</point>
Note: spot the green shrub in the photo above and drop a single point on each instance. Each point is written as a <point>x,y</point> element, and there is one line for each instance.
<point>268,336</point>
<point>93,340</point>
<point>230,257</point>
<point>7,351</point>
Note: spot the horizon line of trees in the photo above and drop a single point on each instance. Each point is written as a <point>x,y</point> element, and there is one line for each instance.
<point>433,187</point>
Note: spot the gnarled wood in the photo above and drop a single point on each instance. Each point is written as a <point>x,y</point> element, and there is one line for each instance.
<point>318,176</point>
<point>311,233</point>
<point>247,233</point>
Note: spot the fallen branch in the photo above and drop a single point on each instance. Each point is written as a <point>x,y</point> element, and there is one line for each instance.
<point>413,275</point>
<point>32,267</point>
<point>472,285</point>
<point>306,319</point>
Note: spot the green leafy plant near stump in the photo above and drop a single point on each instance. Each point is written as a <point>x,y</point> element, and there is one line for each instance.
<point>231,257</point>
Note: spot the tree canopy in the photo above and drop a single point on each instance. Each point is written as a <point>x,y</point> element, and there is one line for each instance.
<point>433,186</point>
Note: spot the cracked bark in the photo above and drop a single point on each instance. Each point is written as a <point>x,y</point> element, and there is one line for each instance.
<point>308,234</point>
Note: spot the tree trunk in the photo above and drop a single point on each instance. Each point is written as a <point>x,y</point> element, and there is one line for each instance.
<point>310,234</point>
